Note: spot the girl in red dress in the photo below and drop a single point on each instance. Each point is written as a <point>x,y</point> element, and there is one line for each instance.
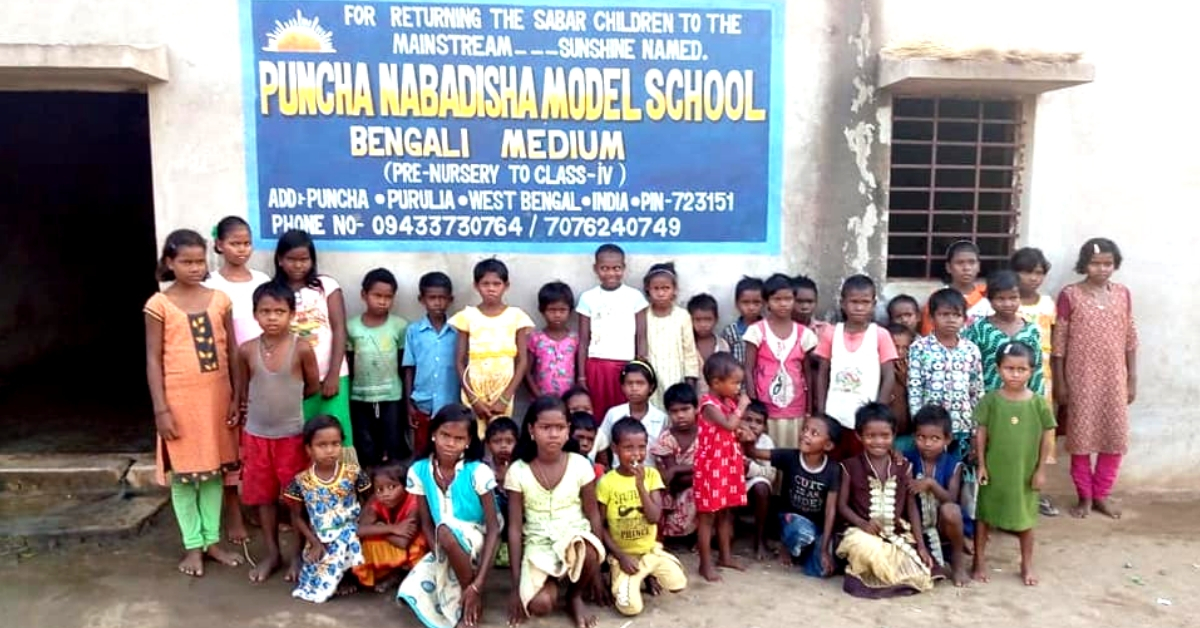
<point>719,483</point>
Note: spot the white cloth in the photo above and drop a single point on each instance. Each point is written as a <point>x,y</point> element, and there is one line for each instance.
<point>758,472</point>
<point>241,294</point>
<point>654,422</point>
<point>311,323</point>
<point>613,323</point>
<point>853,375</point>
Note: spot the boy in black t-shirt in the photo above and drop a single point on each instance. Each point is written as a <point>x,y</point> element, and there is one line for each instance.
<point>809,486</point>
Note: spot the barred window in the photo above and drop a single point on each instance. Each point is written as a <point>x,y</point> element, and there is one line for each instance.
<point>954,176</point>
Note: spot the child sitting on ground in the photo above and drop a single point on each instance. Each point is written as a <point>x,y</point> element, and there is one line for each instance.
<point>937,481</point>
<point>501,441</point>
<point>760,475</point>
<point>674,455</point>
<point>630,499</point>
<point>583,432</point>
<point>389,528</point>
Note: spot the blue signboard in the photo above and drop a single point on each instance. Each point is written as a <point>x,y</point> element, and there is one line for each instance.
<point>515,126</point>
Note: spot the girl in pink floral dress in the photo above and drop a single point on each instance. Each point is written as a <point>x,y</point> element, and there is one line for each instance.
<point>553,348</point>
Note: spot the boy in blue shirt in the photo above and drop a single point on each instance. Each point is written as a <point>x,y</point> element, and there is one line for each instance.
<point>430,343</point>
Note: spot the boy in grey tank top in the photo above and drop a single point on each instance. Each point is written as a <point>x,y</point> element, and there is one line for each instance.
<point>276,373</point>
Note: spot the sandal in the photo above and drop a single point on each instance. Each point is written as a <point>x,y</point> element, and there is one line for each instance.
<point>1046,508</point>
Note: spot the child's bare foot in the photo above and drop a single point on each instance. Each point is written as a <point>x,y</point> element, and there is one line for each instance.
<point>388,584</point>
<point>263,570</point>
<point>1081,509</point>
<point>710,573</point>
<point>348,587</point>
<point>237,531</point>
<point>578,613</point>
<point>959,575</point>
<point>653,586</point>
<point>968,546</point>
<point>979,573</point>
<point>1108,510</point>
<point>1028,577</point>
<point>192,563</point>
<point>223,556</point>
<point>762,554</point>
<point>293,572</point>
<point>730,563</point>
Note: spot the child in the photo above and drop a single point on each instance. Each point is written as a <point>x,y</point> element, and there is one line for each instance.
<point>492,355</point>
<point>882,541</point>
<point>459,519</point>
<point>577,399</point>
<point>1015,431</point>
<point>1095,373</point>
<point>904,310</point>
<point>748,297</point>
<point>945,369</point>
<point>989,333</point>
<point>903,337</point>
<point>321,321</point>
<point>501,441</point>
<point>936,482</point>
<point>638,383</point>
<point>1031,267</point>
<point>233,242</point>
<point>760,476</point>
<point>703,310</point>
<point>431,343</point>
<point>718,471</point>
<point>390,529</point>
<point>962,271</point>
<point>674,454</point>
<point>375,343</point>
<point>805,303</point>
<point>809,486</point>
<point>552,351</point>
<point>670,339</point>
<point>277,371</point>
<point>854,365</point>
<point>776,350</point>
<point>190,359</point>
<point>611,332</point>
<point>553,518</point>
<point>583,432</point>
<point>630,499</point>
<point>329,493</point>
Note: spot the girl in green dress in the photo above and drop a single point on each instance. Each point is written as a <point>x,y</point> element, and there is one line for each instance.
<point>1005,325</point>
<point>1016,428</point>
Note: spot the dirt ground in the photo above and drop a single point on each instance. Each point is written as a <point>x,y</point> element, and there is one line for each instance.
<point>1094,572</point>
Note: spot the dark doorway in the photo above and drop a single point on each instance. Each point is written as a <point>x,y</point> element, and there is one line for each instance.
<point>77,249</point>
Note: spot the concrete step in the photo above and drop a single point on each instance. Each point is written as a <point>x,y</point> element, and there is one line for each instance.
<point>48,520</point>
<point>72,473</point>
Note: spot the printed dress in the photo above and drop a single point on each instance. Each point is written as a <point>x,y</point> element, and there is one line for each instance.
<point>1044,313</point>
<point>671,350</point>
<point>553,361</point>
<point>990,339</point>
<point>311,323</point>
<point>719,481</point>
<point>1014,440</point>
<point>1093,338</point>
<point>333,510</point>
<point>948,377</point>
<point>679,509</point>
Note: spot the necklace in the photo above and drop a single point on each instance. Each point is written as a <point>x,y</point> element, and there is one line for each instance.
<point>267,350</point>
<point>441,479</point>
<point>875,471</point>
<point>542,477</point>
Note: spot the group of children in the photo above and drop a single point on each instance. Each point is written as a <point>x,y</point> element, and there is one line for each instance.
<point>870,441</point>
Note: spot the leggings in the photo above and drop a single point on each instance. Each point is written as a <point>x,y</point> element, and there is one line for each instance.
<point>1094,483</point>
<point>198,510</point>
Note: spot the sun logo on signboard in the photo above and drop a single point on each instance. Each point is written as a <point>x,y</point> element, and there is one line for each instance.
<point>299,34</point>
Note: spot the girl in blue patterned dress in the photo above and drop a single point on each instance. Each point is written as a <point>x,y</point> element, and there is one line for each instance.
<point>330,493</point>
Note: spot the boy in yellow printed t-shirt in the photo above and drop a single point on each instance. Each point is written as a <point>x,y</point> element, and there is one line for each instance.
<point>630,499</point>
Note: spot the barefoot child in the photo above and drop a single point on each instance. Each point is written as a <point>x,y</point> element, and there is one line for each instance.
<point>191,367</point>
<point>748,297</point>
<point>674,456</point>
<point>1015,431</point>
<point>553,518</point>
<point>375,349</point>
<point>493,346</point>
<point>611,333</point>
<point>703,310</point>
<point>389,528</point>
<point>760,475</point>
<point>638,383</point>
<point>882,543</point>
<point>945,369</point>
<point>630,499</point>
<point>1095,364</point>
<point>904,310</point>
<point>459,517</point>
<point>430,375</point>
<point>670,339</point>
<point>719,486</point>
<point>962,274</point>
<point>325,501</point>
<point>809,486</point>
<point>552,351</point>
<point>278,372</point>
<point>937,481</point>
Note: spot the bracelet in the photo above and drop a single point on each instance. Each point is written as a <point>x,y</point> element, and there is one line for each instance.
<point>473,587</point>
<point>506,401</point>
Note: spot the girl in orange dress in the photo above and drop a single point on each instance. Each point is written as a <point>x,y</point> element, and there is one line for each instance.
<point>189,345</point>
<point>962,273</point>
<point>389,528</point>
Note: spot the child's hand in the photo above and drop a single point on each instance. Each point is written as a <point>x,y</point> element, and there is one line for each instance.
<point>826,562</point>
<point>497,408</point>
<point>331,385</point>
<point>898,458</point>
<point>470,605</point>
<point>516,610</point>
<point>871,527</point>
<point>923,485</point>
<point>235,415</point>
<point>481,409</point>
<point>165,424</point>
<point>639,473</point>
<point>982,475</point>
<point>1038,480</point>
<point>925,557</point>
<point>314,552</point>
<point>1061,391</point>
<point>412,415</point>
<point>1130,390</point>
<point>743,402</point>
<point>406,528</point>
<point>746,436</point>
<point>628,564</point>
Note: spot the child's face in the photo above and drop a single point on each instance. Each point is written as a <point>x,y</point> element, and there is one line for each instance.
<point>436,301</point>
<point>501,446</point>
<point>236,247</point>
<point>1031,280</point>
<point>814,437</point>
<point>858,305</point>
<point>451,439</point>
<point>728,387</point>
<point>1006,302</point>
<point>877,438</point>
<point>905,313</point>
<point>610,270</point>
<point>550,431</point>
<point>963,268</point>
<point>683,416</point>
<point>1015,371</point>
<point>491,288</point>
<point>805,303</point>
<point>581,402</point>
<point>757,423</point>
<point>273,315</point>
<point>703,323</point>
<point>779,304</point>
<point>902,342</point>
<point>636,387</point>
<point>296,263</point>
<point>631,450</point>
<point>1100,267</point>
<point>586,439</point>
<point>948,321</point>
<point>661,290</point>
<point>325,450</point>
<point>557,314</point>
<point>931,441</point>
<point>389,492</point>
<point>190,265</point>
<point>379,298</point>
<point>749,305</point>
